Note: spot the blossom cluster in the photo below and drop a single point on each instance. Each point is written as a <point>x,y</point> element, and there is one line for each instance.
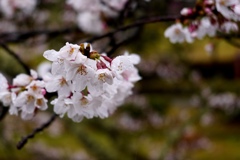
<point>91,13</point>
<point>88,84</point>
<point>9,7</point>
<point>207,19</point>
<point>25,95</point>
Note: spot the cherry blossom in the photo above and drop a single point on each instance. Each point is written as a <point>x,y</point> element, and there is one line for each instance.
<point>177,33</point>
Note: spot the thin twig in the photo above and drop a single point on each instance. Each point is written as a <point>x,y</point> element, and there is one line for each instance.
<point>12,53</point>
<point>24,140</point>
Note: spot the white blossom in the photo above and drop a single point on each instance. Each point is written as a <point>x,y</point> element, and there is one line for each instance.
<point>24,79</point>
<point>185,11</point>
<point>83,5</point>
<point>229,27</point>
<point>205,28</point>
<point>69,51</point>
<point>58,83</point>
<point>224,7</point>
<point>176,33</point>
<point>237,9</point>
<point>5,95</point>
<point>26,95</point>
<point>90,22</point>
<point>43,70</point>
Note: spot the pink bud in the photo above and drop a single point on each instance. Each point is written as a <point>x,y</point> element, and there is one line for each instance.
<point>104,66</point>
<point>208,2</point>
<point>186,11</point>
<point>99,66</point>
<point>208,10</point>
<point>44,91</point>
<point>192,28</point>
<point>107,58</point>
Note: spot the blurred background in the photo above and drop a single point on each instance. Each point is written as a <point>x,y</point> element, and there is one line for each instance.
<point>186,107</point>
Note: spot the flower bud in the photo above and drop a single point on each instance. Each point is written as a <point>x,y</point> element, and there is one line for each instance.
<point>186,11</point>
<point>94,55</point>
<point>108,59</point>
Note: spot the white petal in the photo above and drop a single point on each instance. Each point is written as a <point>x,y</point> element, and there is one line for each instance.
<point>33,74</point>
<point>51,55</point>
<point>22,80</point>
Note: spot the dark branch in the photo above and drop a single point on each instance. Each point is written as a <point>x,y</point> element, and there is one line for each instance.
<point>107,5</point>
<point>12,53</point>
<point>136,24</point>
<point>24,140</point>
<point>116,45</point>
<point>20,36</point>
<point>3,111</point>
<point>233,42</point>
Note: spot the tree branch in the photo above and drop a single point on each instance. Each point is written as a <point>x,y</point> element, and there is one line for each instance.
<point>20,36</point>
<point>136,24</point>
<point>108,6</point>
<point>116,45</point>
<point>24,140</point>
<point>14,55</point>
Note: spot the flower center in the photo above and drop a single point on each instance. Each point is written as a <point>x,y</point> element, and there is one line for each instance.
<point>102,77</point>
<point>71,51</point>
<point>82,70</point>
<point>84,101</point>
<point>63,81</point>
<point>30,98</point>
<point>34,87</point>
<point>39,102</point>
<point>177,31</point>
<point>223,2</point>
<point>120,68</point>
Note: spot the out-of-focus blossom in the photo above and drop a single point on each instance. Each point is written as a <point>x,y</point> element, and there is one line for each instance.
<point>9,7</point>
<point>176,33</point>
<point>207,19</point>
<point>92,13</point>
<point>90,22</point>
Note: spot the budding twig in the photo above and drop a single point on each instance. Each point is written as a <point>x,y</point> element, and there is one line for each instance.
<point>24,140</point>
